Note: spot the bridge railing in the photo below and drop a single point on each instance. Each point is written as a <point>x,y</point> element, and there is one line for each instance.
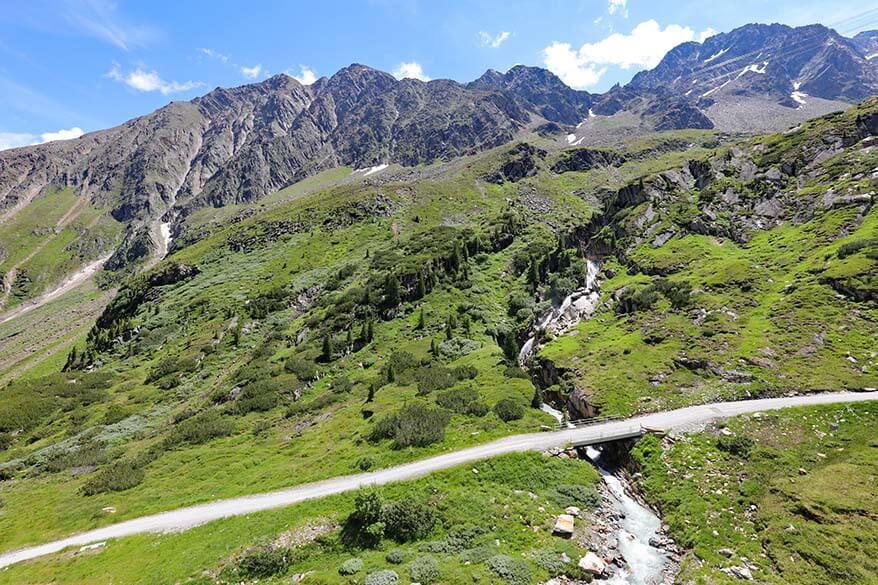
<point>583,422</point>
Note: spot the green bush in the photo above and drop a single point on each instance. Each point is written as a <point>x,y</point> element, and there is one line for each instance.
<point>407,520</point>
<point>436,377</point>
<point>462,401</point>
<point>739,445</point>
<point>385,577</point>
<point>363,527</point>
<point>351,566</point>
<point>264,562</point>
<point>303,369</point>
<point>258,396</point>
<point>199,429</point>
<point>678,293</point>
<point>585,496</point>
<point>510,570</point>
<point>86,456</point>
<point>395,557</point>
<point>850,248</point>
<point>6,441</point>
<point>424,570</point>
<point>415,425</point>
<point>637,298</point>
<point>116,478</point>
<point>508,410</point>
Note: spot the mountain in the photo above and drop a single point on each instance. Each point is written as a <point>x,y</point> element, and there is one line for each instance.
<point>238,145</point>
<point>235,145</point>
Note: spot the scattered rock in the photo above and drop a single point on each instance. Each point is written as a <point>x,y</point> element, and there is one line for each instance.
<point>591,563</point>
<point>563,525</point>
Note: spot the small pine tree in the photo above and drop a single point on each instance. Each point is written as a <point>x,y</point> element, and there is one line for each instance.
<point>465,323</point>
<point>422,322</point>
<point>370,332</point>
<point>533,275</point>
<point>511,348</point>
<point>327,349</point>
<point>390,375</point>
<point>434,348</point>
<point>421,291</point>
<point>350,338</point>
<point>391,291</point>
<point>371,396</point>
<point>449,330</point>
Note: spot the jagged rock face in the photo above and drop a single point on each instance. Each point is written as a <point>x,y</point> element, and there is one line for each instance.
<point>235,145</point>
<point>767,60</point>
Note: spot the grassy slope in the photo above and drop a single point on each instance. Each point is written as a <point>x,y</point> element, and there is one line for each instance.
<point>761,311</point>
<point>195,320</point>
<point>802,505</point>
<point>507,498</point>
<point>50,238</point>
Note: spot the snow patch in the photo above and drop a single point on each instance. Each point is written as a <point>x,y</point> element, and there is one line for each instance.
<point>797,85</point>
<point>571,138</point>
<point>369,170</point>
<point>872,56</point>
<point>799,97</point>
<point>717,88</point>
<point>753,67</point>
<point>716,55</point>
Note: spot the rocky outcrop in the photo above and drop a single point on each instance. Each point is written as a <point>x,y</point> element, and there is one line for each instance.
<point>585,159</point>
<point>520,162</point>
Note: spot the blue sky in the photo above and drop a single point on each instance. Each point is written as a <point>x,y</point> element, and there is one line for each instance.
<point>68,66</point>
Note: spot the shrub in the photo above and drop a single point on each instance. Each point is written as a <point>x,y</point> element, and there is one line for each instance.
<point>363,527</point>
<point>303,369</point>
<point>678,293</point>
<point>462,401</point>
<point>407,520</point>
<point>395,557</point>
<point>424,570</point>
<point>264,562</point>
<point>511,570</point>
<point>116,478</point>
<point>351,566</point>
<point>258,396</point>
<point>415,425</point>
<point>6,441</point>
<point>87,455</point>
<point>365,463</point>
<point>435,377</point>
<point>739,445</point>
<point>577,495</point>
<point>508,410</point>
<point>853,247</point>
<point>385,577</point>
<point>199,429</point>
<point>419,426</point>
<point>635,299</point>
<point>457,347</point>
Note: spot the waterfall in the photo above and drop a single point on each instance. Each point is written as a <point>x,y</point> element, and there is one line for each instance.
<point>583,300</point>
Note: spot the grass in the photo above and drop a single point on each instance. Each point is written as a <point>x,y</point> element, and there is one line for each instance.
<point>501,505</point>
<point>800,505</point>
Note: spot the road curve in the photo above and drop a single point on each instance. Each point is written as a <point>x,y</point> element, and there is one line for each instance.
<point>188,517</point>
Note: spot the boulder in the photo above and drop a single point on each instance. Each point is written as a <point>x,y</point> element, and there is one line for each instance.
<point>572,510</point>
<point>591,563</point>
<point>563,525</point>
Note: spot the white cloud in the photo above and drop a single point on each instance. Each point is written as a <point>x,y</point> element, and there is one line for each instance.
<point>17,139</point>
<point>705,34</point>
<point>618,6</point>
<point>563,61</point>
<point>489,40</point>
<point>251,72</point>
<point>100,19</point>
<point>214,54</point>
<point>74,132</point>
<point>149,81</point>
<point>644,47</point>
<point>306,76</point>
<point>410,70</point>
